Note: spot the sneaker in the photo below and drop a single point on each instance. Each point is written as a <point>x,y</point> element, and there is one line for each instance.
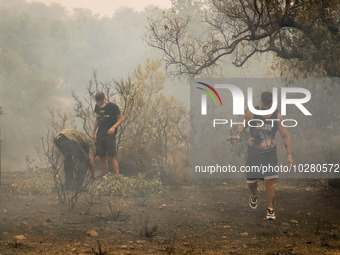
<point>253,200</point>
<point>270,214</point>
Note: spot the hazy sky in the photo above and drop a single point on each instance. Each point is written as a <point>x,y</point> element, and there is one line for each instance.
<point>107,7</point>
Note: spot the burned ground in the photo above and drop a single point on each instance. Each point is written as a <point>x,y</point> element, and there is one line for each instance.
<point>205,217</point>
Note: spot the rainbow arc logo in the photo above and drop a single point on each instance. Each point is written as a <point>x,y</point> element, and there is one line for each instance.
<point>209,93</point>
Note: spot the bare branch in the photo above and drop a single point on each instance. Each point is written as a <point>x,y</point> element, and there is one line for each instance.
<point>302,30</point>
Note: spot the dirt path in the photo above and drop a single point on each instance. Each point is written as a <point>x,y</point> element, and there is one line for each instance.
<point>210,218</point>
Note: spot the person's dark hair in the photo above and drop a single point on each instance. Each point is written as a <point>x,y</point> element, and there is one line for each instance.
<point>99,96</point>
<point>267,98</point>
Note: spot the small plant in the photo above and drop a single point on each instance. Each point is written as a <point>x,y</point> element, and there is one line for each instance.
<point>169,246</point>
<point>100,249</point>
<point>16,243</point>
<point>116,214</point>
<point>170,249</point>
<point>40,182</point>
<point>145,228</point>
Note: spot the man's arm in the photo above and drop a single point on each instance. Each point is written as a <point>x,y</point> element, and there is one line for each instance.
<point>286,140</point>
<point>95,129</point>
<point>113,128</point>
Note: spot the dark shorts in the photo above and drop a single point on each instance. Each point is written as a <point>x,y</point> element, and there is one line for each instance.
<point>106,146</point>
<point>260,160</point>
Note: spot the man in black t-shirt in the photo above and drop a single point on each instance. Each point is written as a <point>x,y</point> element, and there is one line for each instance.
<point>107,120</point>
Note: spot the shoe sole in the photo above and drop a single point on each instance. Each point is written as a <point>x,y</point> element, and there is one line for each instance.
<point>271,217</point>
<point>252,207</point>
<point>258,193</point>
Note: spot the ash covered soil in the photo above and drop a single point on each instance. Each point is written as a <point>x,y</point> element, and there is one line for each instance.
<point>206,217</point>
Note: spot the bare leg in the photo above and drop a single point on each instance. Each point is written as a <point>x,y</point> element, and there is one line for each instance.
<point>115,165</point>
<point>253,189</point>
<point>92,167</point>
<point>270,191</point>
<point>104,166</point>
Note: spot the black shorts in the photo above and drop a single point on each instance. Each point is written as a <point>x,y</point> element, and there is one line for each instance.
<point>258,160</point>
<point>106,146</point>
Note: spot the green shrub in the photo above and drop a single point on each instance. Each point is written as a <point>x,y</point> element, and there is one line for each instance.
<point>40,182</point>
<point>111,185</point>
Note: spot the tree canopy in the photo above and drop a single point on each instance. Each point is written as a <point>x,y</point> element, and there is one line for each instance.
<point>303,33</point>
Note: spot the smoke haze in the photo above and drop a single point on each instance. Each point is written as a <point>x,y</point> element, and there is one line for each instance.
<point>48,52</point>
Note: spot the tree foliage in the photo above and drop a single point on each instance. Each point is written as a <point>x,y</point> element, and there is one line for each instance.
<point>155,125</point>
<point>303,33</point>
